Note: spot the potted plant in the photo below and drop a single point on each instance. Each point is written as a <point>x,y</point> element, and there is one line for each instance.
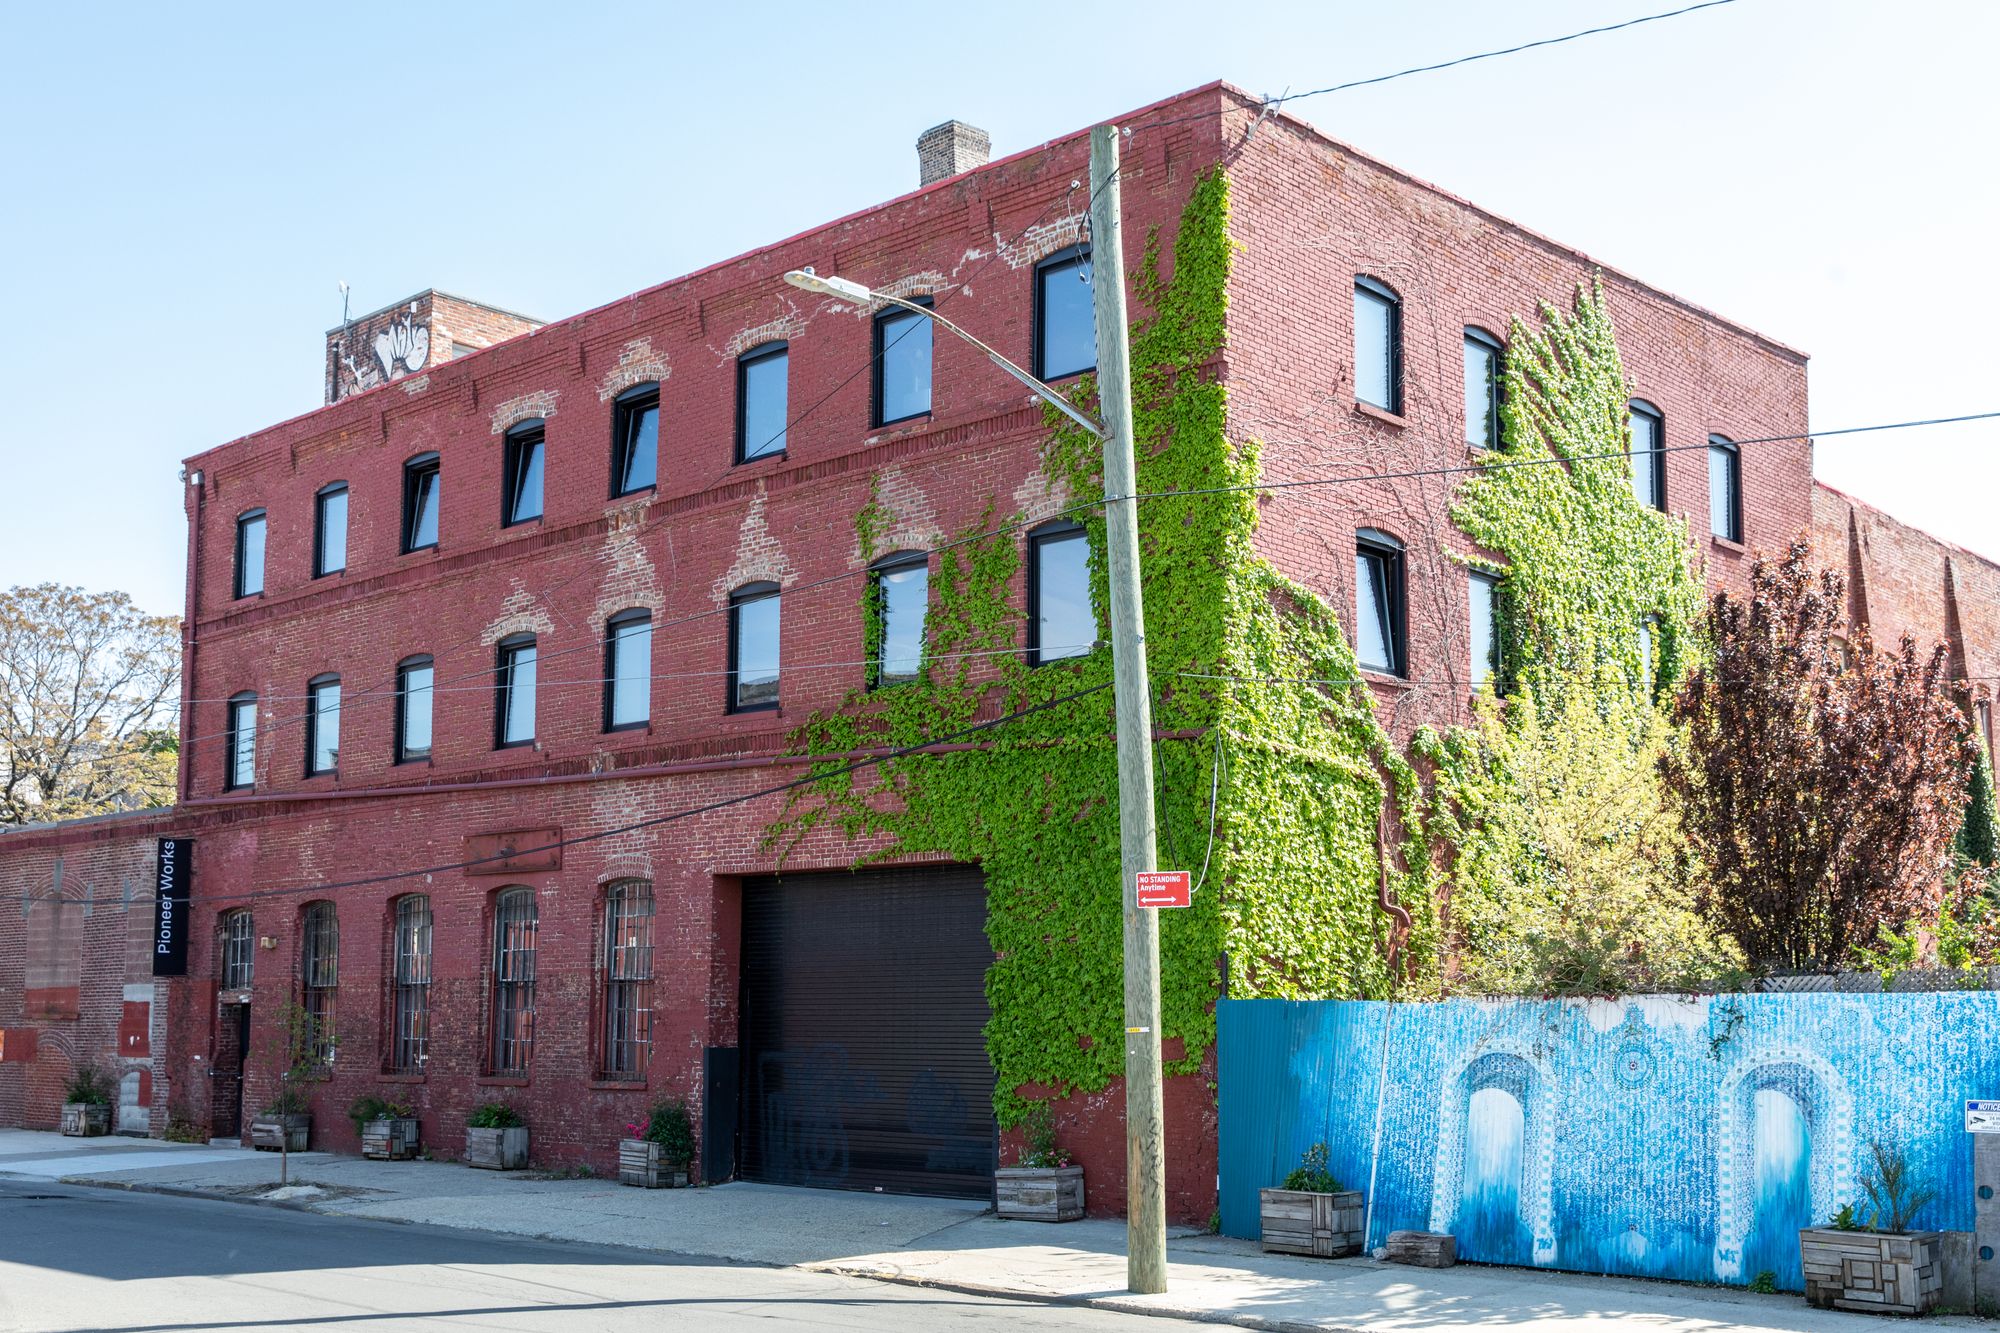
<point>657,1152</point>
<point>388,1127</point>
<point>1310,1213</point>
<point>1882,1267</point>
<point>285,1123</point>
<point>1046,1185</point>
<point>496,1138</point>
<point>86,1110</point>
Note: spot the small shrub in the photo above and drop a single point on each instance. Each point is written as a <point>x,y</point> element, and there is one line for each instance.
<point>1311,1173</point>
<point>367,1108</point>
<point>1845,1220</point>
<point>670,1127</point>
<point>1896,1197</point>
<point>1765,1282</point>
<point>289,1099</point>
<point>1040,1150</point>
<point>88,1085</point>
<point>494,1115</point>
<point>184,1127</point>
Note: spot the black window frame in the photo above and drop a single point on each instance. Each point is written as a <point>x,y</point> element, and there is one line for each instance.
<point>1641,407</point>
<point>319,976</point>
<point>522,439</point>
<point>414,471</point>
<point>412,955</point>
<point>626,974</point>
<point>233,730</point>
<point>760,353</point>
<point>1723,445</point>
<point>320,569</point>
<point>893,314</point>
<point>236,949</point>
<point>1378,290</point>
<point>313,713</point>
<point>1476,336</point>
<point>506,663</point>
<point>510,1036</point>
<point>626,410</point>
<point>1074,256</point>
<point>877,651</point>
<point>633,616</point>
<point>1496,584</point>
<point>404,753</point>
<point>748,595</point>
<point>244,520</point>
<point>1370,543</point>
<point>1058,530</point>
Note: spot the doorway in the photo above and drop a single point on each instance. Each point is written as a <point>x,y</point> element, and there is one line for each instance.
<point>232,1052</point>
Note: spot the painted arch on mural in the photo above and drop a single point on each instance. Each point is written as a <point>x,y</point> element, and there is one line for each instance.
<point>1496,1157</point>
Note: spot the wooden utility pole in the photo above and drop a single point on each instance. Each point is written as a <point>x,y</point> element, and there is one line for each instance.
<point>1145,1151</point>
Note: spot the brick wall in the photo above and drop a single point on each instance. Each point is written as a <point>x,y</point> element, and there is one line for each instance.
<point>410,337</point>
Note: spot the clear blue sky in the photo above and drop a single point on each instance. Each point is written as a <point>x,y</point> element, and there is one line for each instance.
<point>184,186</point>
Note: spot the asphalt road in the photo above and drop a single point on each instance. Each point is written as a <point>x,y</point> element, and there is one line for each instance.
<point>75,1258</point>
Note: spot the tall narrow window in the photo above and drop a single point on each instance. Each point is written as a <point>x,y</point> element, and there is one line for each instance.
<point>753,647</point>
<point>250,553</point>
<point>1484,629</point>
<point>515,917</point>
<point>1482,389</point>
<point>1378,612</point>
<point>628,978</point>
<point>1725,489</point>
<point>761,402</point>
<point>902,592</point>
<point>319,976</point>
<point>410,982</point>
<point>322,724</point>
<point>1061,622</point>
<point>635,440</point>
<point>1649,455</point>
<point>242,740</point>
<point>330,530</point>
<point>628,670</point>
<point>514,714</point>
<point>1378,345</point>
<point>239,950</point>
<point>523,478</point>
<point>415,677</point>
<point>1065,316</point>
<point>902,364</point>
<point>1649,632</point>
<point>421,499</point>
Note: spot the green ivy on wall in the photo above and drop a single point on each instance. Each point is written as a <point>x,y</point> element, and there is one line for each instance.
<point>1299,773</point>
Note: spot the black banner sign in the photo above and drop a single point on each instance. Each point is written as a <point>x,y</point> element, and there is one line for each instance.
<point>171,912</point>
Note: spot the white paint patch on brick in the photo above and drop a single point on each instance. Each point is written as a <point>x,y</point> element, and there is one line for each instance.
<point>540,403</point>
<point>1042,240</point>
<point>627,855</point>
<point>417,385</point>
<point>930,282</point>
<point>759,557</point>
<point>638,363</point>
<point>1040,497</point>
<point>913,524</point>
<point>629,576</point>
<point>520,613</point>
<point>782,329</point>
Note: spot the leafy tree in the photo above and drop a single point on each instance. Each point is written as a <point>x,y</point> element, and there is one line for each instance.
<point>1977,841</point>
<point>1822,795</point>
<point>88,697</point>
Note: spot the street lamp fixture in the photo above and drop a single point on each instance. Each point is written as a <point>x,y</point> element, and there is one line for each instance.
<point>847,290</point>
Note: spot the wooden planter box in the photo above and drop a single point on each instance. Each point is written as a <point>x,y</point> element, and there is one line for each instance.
<point>1039,1193</point>
<point>1872,1271</point>
<point>639,1164</point>
<point>390,1140</point>
<point>273,1132</point>
<point>497,1149</point>
<point>1325,1226</point>
<point>86,1119</point>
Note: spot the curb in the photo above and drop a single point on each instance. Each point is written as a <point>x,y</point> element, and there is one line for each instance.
<point>194,1192</point>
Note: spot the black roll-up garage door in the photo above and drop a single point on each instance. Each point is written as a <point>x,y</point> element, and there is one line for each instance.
<point>864,1062</point>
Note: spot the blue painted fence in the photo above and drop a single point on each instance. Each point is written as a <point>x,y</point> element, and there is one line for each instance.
<point>1656,1136</point>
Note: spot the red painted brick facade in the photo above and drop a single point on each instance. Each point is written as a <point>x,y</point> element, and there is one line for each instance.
<point>1310,215</point>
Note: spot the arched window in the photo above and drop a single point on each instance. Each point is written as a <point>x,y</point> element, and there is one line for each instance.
<point>753,647</point>
<point>514,705</point>
<point>515,917</point>
<point>330,529</point>
<point>902,363</point>
<point>1725,489</point>
<point>1378,345</point>
<point>899,586</point>
<point>319,975</point>
<point>250,553</point>
<point>1065,315</point>
<point>414,680</point>
<point>322,724</point>
<point>628,979</point>
<point>1379,635</point>
<point>240,768</point>
<point>239,950</point>
<point>761,401</point>
<point>635,440</point>
<point>421,503</point>
<point>628,670</point>
<point>1483,355</point>
<point>1649,454</point>
<point>410,986</point>
<point>522,481</point>
<point>1061,620</point>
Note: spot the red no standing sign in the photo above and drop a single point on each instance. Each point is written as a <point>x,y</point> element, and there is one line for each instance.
<point>1164,888</point>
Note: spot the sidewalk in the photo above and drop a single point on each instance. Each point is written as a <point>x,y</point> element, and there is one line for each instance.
<point>934,1242</point>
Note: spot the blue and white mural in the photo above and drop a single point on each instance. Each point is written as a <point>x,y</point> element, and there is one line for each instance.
<point>1655,1136</point>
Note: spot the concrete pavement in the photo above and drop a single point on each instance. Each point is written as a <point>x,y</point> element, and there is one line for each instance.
<point>944,1244</point>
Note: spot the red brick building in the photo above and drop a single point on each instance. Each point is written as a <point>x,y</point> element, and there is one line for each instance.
<point>455,639</point>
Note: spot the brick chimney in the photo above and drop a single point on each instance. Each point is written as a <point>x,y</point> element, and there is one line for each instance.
<point>945,150</point>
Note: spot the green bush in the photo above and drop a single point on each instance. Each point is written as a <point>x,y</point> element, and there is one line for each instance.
<point>88,1085</point>
<point>367,1107</point>
<point>1311,1173</point>
<point>494,1115</point>
<point>1041,1149</point>
<point>670,1127</point>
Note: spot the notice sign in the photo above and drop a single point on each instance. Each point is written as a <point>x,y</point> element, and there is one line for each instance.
<point>1165,888</point>
<point>1982,1117</point>
<point>173,885</point>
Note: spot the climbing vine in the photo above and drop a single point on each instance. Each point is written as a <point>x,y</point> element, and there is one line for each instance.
<point>1292,902</point>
